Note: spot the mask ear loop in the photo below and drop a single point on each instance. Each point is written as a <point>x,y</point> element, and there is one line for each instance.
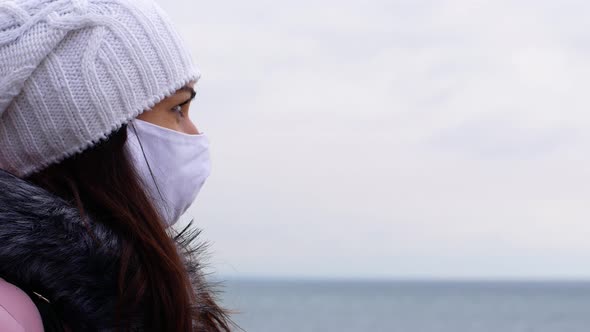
<point>149,167</point>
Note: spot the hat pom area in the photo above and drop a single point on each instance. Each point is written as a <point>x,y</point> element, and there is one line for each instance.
<point>74,71</point>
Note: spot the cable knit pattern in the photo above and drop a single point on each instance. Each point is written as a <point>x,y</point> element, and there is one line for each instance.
<point>73,71</point>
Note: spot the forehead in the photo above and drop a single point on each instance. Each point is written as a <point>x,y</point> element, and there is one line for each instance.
<point>191,84</point>
<point>189,87</point>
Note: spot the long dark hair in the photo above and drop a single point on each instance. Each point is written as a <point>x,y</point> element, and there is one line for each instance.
<point>102,180</point>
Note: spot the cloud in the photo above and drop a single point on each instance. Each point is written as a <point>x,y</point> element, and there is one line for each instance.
<point>393,138</point>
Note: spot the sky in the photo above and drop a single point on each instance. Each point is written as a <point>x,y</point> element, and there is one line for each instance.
<point>393,139</point>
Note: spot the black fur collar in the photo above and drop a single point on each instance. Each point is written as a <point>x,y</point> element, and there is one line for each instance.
<point>45,247</point>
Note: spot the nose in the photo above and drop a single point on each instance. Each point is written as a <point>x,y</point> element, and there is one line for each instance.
<point>191,128</point>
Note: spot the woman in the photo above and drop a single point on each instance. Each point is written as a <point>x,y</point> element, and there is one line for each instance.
<point>98,157</point>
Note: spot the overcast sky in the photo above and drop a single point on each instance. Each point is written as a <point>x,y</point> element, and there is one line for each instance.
<point>394,139</point>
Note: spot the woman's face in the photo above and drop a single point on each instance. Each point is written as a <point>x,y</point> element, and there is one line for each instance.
<point>173,112</point>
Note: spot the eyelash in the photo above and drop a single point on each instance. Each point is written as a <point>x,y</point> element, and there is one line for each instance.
<point>178,108</point>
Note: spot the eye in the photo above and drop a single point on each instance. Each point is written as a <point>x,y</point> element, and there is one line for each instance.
<point>177,109</point>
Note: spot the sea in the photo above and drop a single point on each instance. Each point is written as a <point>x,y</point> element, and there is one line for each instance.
<point>408,306</point>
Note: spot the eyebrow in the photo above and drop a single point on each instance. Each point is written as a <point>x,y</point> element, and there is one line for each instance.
<point>187,88</point>
<point>190,90</point>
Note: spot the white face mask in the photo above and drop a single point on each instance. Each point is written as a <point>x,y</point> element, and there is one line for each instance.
<point>180,164</point>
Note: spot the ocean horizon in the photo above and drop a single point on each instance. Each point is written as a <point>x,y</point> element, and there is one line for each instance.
<point>417,305</point>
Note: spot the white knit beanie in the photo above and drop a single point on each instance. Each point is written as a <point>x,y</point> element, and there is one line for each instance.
<point>73,71</point>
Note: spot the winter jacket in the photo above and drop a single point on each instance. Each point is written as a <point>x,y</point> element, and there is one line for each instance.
<point>47,253</point>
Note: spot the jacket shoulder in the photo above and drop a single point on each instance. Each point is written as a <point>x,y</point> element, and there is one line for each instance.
<point>18,313</point>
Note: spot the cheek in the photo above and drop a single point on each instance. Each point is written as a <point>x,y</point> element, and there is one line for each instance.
<point>161,117</point>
